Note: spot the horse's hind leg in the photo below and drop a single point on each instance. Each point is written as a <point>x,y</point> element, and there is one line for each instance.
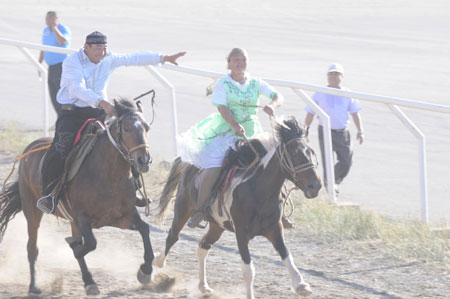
<point>145,270</point>
<point>213,234</point>
<point>34,218</point>
<point>299,286</point>
<point>183,210</point>
<point>81,230</point>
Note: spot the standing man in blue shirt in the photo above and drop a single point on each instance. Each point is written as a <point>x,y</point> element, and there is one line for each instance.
<point>338,109</point>
<point>56,35</point>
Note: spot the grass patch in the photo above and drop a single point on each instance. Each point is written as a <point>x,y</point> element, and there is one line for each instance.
<point>401,239</point>
<point>14,138</point>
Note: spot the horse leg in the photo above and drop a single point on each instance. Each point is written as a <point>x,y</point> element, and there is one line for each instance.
<point>182,211</point>
<point>145,270</point>
<point>248,270</point>
<point>213,234</point>
<point>81,230</point>
<point>33,222</point>
<point>299,286</point>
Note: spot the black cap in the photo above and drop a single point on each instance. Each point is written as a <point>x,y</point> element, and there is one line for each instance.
<point>96,38</point>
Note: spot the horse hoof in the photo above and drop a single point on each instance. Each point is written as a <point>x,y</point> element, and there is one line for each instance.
<point>143,278</point>
<point>205,290</point>
<point>303,289</point>
<point>92,290</point>
<point>159,261</point>
<point>34,291</point>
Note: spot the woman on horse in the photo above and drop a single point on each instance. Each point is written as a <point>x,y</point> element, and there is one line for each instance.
<point>236,96</point>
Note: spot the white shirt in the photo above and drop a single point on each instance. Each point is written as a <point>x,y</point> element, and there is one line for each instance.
<point>84,83</point>
<point>337,107</point>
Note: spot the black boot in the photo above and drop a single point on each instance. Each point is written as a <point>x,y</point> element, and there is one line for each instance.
<point>197,217</point>
<point>142,202</point>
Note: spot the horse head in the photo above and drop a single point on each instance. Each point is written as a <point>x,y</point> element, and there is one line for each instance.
<point>297,158</point>
<point>131,135</point>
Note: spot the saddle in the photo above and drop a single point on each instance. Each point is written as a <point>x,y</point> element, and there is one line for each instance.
<point>84,143</point>
<point>239,161</point>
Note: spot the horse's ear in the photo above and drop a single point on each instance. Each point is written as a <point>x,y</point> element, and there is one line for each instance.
<point>139,106</point>
<point>115,102</point>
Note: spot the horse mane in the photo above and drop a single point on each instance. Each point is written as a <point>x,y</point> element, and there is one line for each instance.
<point>289,129</point>
<point>285,130</point>
<point>124,106</point>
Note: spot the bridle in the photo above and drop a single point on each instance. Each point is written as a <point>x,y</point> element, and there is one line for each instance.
<point>286,160</point>
<point>120,145</point>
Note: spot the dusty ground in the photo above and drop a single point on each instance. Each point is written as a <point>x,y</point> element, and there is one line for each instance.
<point>346,270</point>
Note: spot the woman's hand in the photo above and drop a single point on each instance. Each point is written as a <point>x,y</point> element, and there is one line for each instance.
<point>269,110</point>
<point>239,130</point>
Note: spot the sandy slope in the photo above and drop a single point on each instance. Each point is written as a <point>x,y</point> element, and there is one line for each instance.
<point>396,48</point>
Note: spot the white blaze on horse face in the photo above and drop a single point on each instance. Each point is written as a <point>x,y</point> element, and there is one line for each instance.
<point>137,123</point>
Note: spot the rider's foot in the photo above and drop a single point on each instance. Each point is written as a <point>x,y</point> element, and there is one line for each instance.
<point>287,224</point>
<point>196,218</point>
<point>46,204</point>
<point>142,202</point>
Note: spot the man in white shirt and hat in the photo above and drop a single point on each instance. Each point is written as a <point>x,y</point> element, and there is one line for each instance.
<point>83,95</point>
<point>338,109</point>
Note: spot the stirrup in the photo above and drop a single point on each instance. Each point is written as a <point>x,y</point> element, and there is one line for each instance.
<point>42,206</point>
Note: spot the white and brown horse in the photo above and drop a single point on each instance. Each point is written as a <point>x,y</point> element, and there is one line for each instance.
<point>251,205</point>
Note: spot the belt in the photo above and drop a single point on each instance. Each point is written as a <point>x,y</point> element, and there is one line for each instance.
<point>68,107</point>
<point>339,130</point>
<point>335,130</point>
<point>72,107</point>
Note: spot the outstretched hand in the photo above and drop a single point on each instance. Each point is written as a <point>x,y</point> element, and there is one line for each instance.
<point>173,58</point>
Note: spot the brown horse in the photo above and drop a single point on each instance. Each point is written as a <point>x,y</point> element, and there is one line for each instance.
<point>251,205</point>
<point>101,194</point>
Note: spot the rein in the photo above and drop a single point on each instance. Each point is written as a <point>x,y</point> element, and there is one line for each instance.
<point>42,146</point>
<point>286,160</point>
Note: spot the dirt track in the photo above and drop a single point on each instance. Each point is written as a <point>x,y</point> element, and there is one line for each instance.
<point>350,270</point>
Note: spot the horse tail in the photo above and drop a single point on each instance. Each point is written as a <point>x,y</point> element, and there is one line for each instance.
<point>10,205</point>
<point>172,182</point>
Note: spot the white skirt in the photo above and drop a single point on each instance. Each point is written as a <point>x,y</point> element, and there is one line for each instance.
<point>208,156</point>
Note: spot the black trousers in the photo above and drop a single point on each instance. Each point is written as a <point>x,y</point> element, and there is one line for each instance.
<point>54,81</point>
<point>342,146</point>
<point>67,126</point>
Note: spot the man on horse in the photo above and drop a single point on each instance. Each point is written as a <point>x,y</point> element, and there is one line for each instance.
<point>83,96</point>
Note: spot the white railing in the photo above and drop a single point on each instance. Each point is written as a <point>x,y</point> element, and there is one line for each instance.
<point>298,88</point>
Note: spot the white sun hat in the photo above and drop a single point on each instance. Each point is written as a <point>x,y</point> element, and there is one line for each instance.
<point>336,67</point>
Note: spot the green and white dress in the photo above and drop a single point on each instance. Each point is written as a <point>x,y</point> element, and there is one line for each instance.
<point>206,143</point>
